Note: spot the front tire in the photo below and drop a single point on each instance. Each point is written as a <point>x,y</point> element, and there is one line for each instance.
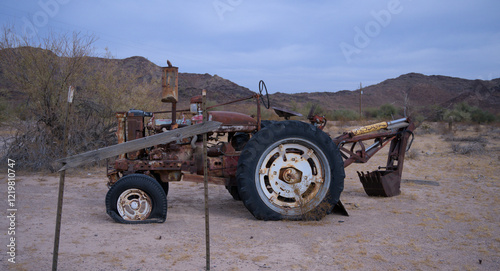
<point>290,170</point>
<point>137,198</point>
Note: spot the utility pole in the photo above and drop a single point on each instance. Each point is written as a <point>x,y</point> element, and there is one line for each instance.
<point>360,100</point>
<point>205,180</point>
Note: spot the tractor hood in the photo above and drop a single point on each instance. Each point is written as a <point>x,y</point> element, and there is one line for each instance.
<point>233,121</point>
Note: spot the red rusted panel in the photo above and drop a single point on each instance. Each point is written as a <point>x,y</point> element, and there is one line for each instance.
<point>232,118</point>
<point>170,84</point>
<point>230,166</point>
<point>196,99</point>
<point>121,164</point>
<point>233,121</point>
<point>120,131</point>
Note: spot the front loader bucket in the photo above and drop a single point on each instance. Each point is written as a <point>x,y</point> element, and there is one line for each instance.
<point>381,183</point>
<point>387,183</point>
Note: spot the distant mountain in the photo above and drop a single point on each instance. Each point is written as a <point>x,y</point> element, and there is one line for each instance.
<point>420,90</point>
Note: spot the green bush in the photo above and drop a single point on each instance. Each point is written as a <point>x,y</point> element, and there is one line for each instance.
<point>385,111</point>
<point>342,115</point>
<point>463,112</point>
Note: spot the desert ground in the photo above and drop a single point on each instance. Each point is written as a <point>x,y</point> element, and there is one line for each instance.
<point>446,218</point>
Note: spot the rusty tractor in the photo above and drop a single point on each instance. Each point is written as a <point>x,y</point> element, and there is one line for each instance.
<point>279,169</point>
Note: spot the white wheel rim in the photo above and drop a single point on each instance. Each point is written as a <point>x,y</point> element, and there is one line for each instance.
<point>134,204</point>
<point>297,185</point>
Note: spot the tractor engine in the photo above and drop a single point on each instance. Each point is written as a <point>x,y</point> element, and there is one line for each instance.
<point>182,159</point>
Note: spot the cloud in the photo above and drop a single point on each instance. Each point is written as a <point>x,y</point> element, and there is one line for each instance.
<point>293,45</point>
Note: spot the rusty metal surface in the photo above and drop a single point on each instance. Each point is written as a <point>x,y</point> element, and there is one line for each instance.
<point>199,179</point>
<point>348,143</point>
<point>237,128</point>
<point>113,177</point>
<point>232,118</point>
<point>169,84</point>
<point>386,183</point>
<point>381,183</point>
<point>291,175</point>
<point>230,166</point>
<point>120,131</point>
<point>131,166</point>
<point>233,121</point>
<point>363,154</point>
<point>134,204</point>
<point>285,113</point>
<point>196,99</point>
<point>135,130</point>
<point>170,176</point>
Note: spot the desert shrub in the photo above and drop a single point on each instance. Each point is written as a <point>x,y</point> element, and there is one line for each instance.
<point>317,109</point>
<point>386,111</point>
<point>473,139</point>
<point>467,145</point>
<point>463,112</point>
<point>425,128</point>
<point>412,154</point>
<point>480,116</point>
<point>343,115</point>
<point>470,148</point>
<point>434,113</point>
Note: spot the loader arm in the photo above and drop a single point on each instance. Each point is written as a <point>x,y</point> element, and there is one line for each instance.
<point>353,149</point>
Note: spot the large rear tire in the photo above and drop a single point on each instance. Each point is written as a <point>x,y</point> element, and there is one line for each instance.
<point>290,170</point>
<point>137,198</point>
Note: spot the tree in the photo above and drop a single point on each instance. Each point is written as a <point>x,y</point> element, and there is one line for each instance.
<point>41,70</point>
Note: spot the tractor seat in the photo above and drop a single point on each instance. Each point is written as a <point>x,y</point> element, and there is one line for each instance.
<point>285,113</point>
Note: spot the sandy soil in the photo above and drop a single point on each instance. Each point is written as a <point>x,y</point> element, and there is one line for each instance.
<point>454,225</point>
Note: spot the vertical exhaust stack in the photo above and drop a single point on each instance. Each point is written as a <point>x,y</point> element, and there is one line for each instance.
<point>169,89</point>
<point>170,92</point>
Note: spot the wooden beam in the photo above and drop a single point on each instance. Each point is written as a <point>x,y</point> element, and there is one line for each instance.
<point>137,144</point>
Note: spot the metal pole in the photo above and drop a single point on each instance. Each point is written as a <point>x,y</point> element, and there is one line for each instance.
<point>62,174</point>
<point>58,220</point>
<point>205,180</point>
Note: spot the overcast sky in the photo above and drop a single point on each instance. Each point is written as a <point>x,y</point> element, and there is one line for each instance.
<point>295,46</point>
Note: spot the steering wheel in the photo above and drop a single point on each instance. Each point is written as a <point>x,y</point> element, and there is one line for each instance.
<point>262,86</point>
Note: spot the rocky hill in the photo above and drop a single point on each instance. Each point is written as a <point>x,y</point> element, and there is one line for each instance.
<point>417,89</point>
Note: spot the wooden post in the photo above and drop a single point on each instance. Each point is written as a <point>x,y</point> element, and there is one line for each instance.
<point>137,144</point>
<point>62,175</point>
<point>205,180</point>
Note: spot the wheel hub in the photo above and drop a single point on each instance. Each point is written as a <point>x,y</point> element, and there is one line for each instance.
<point>134,204</point>
<point>291,175</point>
